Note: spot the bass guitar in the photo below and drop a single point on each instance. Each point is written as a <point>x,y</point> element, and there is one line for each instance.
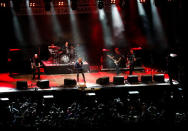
<point>116,61</point>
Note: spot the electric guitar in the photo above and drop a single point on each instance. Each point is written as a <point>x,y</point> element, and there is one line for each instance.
<point>129,62</point>
<point>116,62</point>
<point>33,65</point>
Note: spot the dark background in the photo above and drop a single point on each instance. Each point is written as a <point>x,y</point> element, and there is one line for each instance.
<point>153,54</point>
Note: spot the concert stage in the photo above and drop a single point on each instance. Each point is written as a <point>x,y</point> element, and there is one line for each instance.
<point>94,87</point>
<point>56,81</point>
<point>57,68</point>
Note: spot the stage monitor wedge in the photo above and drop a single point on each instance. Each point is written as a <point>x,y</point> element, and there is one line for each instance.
<point>69,82</point>
<point>118,80</point>
<point>43,84</point>
<point>132,79</point>
<point>103,80</point>
<point>21,85</point>
<point>158,78</point>
<point>146,78</point>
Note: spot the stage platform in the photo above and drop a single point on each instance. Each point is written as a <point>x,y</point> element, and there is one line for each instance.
<point>92,87</point>
<point>67,68</point>
<point>8,83</point>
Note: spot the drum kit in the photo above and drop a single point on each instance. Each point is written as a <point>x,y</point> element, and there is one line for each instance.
<point>61,56</point>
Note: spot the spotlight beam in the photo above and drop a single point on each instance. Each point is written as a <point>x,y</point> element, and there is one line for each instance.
<point>56,26</point>
<point>158,25</point>
<point>16,25</point>
<point>76,34</point>
<point>34,31</point>
<point>118,27</point>
<point>117,21</point>
<point>106,30</point>
<point>145,22</point>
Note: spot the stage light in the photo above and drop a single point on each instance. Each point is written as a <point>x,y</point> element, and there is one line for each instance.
<point>100,4</point>
<point>60,3</point>
<point>142,1</point>
<point>113,1</point>
<point>3,4</point>
<point>32,4</point>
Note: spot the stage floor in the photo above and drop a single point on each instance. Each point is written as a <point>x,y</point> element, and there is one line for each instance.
<point>8,83</point>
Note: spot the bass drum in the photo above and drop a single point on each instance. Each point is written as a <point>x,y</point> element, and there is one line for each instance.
<point>65,59</point>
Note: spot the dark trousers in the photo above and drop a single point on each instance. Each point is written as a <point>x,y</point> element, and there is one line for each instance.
<point>131,69</point>
<point>117,69</point>
<point>171,75</point>
<point>34,72</point>
<point>78,72</point>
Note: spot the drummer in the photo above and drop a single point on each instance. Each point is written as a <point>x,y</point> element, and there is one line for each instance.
<point>68,49</point>
<point>54,51</point>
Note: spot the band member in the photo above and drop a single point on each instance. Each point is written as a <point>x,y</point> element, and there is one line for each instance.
<point>79,68</point>
<point>35,66</point>
<point>172,67</point>
<point>66,48</point>
<point>117,57</point>
<point>131,61</point>
<point>54,52</point>
<point>72,52</point>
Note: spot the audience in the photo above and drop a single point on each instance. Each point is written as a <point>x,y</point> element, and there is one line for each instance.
<point>90,112</point>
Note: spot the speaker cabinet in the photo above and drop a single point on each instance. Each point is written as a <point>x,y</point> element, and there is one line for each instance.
<point>103,81</point>
<point>43,84</point>
<point>69,82</point>
<point>132,78</point>
<point>158,78</point>
<point>21,85</point>
<point>146,78</point>
<point>118,80</point>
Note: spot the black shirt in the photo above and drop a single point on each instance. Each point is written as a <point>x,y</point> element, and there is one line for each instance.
<point>78,65</point>
<point>131,58</point>
<point>36,61</point>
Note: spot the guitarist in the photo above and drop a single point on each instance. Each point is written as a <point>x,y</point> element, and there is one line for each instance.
<point>35,66</point>
<point>131,61</point>
<point>117,57</point>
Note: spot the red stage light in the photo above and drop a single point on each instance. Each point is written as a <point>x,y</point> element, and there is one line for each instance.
<point>14,49</point>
